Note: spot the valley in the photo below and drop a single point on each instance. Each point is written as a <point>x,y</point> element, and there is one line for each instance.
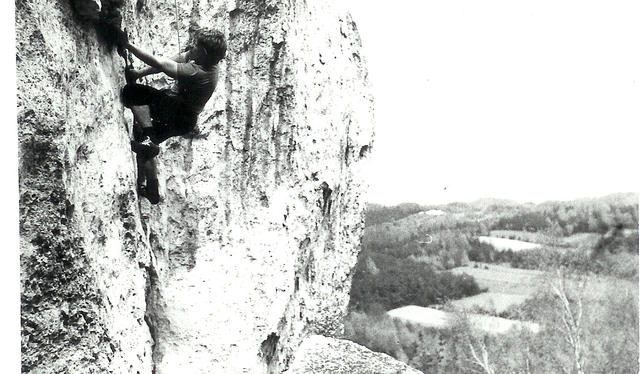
<point>468,277</point>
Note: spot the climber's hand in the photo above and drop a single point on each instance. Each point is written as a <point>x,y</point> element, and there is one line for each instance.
<point>122,39</point>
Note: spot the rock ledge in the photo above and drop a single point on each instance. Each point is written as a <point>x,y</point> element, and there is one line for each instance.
<point>319,354</point>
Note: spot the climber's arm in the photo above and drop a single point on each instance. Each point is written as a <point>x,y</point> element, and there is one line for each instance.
<point>162,64</point>
<point>149,70</point>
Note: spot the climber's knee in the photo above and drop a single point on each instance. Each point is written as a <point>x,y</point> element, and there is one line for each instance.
<point>141,115</point>
<point>134,94</point>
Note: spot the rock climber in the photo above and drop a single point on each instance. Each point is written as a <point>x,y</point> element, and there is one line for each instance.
<point>161,114</point>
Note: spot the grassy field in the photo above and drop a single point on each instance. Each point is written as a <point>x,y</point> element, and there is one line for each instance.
<point>495,302</point>
<point>581,240</point>
<point>433,318</point>
<point>502,244</point>
<point>506,285</point>
<point>504,279</point>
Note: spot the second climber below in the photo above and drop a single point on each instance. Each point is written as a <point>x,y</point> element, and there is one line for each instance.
<point>161,114</point>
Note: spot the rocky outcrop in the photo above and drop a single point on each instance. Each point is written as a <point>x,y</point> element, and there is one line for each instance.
<point>322,355</point>
<point>249,251</point>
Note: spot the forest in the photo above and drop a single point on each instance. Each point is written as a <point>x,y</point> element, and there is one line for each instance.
<point>408,250</point>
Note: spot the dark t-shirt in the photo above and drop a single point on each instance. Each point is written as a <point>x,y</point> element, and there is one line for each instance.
<point>195,85</point>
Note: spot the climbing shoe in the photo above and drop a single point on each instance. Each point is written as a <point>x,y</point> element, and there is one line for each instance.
<point>146,148</point>
<point>150,191</point>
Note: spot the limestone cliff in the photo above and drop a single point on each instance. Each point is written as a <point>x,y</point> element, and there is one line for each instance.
<point>239,262</point>
<point>322,355</point>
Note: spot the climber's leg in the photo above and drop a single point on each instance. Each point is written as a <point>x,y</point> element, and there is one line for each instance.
<point>142,115</point>
<point>147,182</point>
<point>141,174</point>
<point>138,94</point>
<point>150,191</point>
<point>142,126</point>
<point>140,99</point>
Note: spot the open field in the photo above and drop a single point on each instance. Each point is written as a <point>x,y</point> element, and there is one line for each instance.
<point>585,253</point>
<point>502,244</point>
<point>581,240</point>
<point>429,317</point>
<point>504,279</point>
<point>489,301</point>
<point>506,286</point>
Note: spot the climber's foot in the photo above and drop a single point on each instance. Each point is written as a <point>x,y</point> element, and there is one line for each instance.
<point>153,198</point>
<point>150,191</point>
<point>145,148</point>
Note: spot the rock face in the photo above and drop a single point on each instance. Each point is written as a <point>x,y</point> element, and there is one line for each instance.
<point>322,355</point>
<point>249,251</point>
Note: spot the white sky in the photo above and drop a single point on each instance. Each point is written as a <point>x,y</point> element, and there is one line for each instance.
<point>526,100</point>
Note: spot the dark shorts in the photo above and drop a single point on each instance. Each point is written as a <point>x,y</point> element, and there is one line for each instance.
<point>169,116</point>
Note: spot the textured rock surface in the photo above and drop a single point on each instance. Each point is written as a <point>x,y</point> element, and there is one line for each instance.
<point>322,355</point>
<point>239,262</point>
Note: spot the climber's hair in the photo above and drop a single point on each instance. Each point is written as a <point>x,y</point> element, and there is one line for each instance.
<point>213,43</point>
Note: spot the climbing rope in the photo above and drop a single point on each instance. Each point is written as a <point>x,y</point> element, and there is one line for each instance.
<point>175,2</point>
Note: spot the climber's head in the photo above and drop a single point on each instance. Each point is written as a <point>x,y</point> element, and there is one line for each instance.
<point>209,47</point>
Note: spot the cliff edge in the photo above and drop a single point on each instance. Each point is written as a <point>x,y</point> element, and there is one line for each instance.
<point>245,256</point>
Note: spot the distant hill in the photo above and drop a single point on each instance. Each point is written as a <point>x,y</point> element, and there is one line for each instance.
<point>598,214</point>
<point>376,213</point>
<point>448,235</point>
<point>618,199</point>
<point>486,202</point>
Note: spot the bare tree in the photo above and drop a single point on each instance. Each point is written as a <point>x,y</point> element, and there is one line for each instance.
<point>481,359</point>
<point>570,314</point>
<point>480,354</point>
